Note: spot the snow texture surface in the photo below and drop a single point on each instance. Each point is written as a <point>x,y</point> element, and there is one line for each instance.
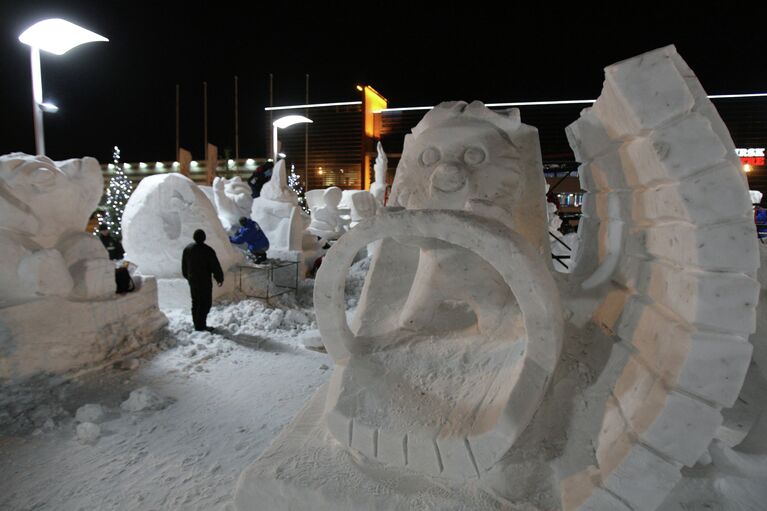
<point>177,431</point>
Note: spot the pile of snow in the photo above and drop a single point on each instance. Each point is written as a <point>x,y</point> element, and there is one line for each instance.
<point>91,412</point>
<point>145,399</point>
<point>101,442</point>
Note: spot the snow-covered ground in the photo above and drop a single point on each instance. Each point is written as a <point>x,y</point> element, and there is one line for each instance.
<point>221,399</point>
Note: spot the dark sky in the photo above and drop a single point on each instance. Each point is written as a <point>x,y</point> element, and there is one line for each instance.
<point>123,92</point>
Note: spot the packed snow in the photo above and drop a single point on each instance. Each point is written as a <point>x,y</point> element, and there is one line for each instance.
<point>174,428</point>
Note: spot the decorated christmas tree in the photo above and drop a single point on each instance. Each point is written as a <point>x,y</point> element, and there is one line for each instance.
<point>294,182</point>
<point>117,195</point>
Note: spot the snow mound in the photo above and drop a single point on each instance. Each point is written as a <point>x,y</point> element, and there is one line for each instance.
<point>88,432</point>
<point>90,413</point>
<point>143,399</point>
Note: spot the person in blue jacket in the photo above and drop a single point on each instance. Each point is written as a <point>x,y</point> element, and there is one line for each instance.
<point>760,218</point>
<point>251,234</point>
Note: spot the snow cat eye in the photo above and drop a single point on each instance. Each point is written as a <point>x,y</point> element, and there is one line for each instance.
<point>430,156</point>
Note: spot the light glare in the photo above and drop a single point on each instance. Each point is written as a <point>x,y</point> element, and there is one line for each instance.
<point>290,120</point>
<point>58,36</point>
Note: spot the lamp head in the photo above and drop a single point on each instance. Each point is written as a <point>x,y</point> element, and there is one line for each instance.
<point>58,36</point>
<point>290,120</point>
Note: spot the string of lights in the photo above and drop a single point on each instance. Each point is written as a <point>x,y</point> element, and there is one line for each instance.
<point>117,195</point>
<point>294,182</point>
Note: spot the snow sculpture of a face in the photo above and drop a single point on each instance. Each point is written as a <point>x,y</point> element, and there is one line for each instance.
<point>458,328</point>
<point>469,157</point>
<point>44,200</point>
<point>160,219</point>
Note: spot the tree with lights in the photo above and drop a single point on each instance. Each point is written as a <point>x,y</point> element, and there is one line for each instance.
<point>117,194</point>
<point>294,182</point>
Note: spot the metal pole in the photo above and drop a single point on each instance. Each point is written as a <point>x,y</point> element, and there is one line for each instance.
<point>274,142</point>
<point>178,124</point>
<point>236,123</point>
<point>37,99</point>
<point>306,138</point>
<point>205,119</point>
<point>271,115</point>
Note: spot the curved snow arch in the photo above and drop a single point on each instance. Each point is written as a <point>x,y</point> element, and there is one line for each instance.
<point>480,444</point>
<point>667,215</point>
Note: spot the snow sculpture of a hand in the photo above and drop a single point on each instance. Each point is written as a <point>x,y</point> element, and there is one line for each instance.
<point>378,187</point>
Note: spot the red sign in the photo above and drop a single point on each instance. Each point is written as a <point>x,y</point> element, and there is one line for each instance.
<point>754,161</point>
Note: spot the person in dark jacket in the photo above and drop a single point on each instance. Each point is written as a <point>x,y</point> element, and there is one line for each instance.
<point>259,178</point>
<point>251,233</point>
<point>113,246</point>
<point>198,263</point>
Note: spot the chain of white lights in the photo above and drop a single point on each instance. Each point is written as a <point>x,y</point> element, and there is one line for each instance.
<point>294,182</point>
<point>117,195</point>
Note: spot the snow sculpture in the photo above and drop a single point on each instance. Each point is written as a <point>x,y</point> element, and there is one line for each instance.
<point>667,233</point>
<point>326,219</point>
<point>364,205</point>
<point>51,268</point>
<point>378,188</point>
<point>232,200</point>
<point>278,214</point>
<point>159,220</point>
<point>469,393</point>
<point>43,211</point>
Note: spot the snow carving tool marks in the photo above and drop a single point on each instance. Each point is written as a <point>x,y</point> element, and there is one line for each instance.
<point>667,217</point>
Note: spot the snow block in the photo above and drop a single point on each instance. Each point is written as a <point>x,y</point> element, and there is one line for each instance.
<point>643,93</point>
<point>60,336</point>
<point>719,301</point>
<point>676,425</point>
<point>709,365</point>
<point>675,152</point>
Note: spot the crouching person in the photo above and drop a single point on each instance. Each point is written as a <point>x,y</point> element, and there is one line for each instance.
<point>251,234</point>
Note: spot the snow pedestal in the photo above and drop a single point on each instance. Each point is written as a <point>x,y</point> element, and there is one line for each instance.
<point>58,309</point>
<point>306,468</point>
<point>175,294</point>
<point>57,336</point>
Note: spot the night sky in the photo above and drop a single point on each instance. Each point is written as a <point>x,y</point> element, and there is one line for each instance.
<point>123,92</point>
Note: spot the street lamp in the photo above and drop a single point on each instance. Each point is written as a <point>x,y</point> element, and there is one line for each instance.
<point>284,122</point>
<point>55,36</point>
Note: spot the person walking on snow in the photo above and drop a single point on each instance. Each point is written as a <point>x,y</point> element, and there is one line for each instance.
<point>251,233</point>
<point>198,263</point>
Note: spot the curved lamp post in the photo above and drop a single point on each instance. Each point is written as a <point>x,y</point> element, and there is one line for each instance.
<point>55,36</point>
<point>284,122</point>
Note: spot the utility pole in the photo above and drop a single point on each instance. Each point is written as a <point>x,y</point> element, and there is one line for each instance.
<point>306,138</point>
<point>236,122</point>
<point>205,119</point>
<point>178,124</point>
<point>271,103</point>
